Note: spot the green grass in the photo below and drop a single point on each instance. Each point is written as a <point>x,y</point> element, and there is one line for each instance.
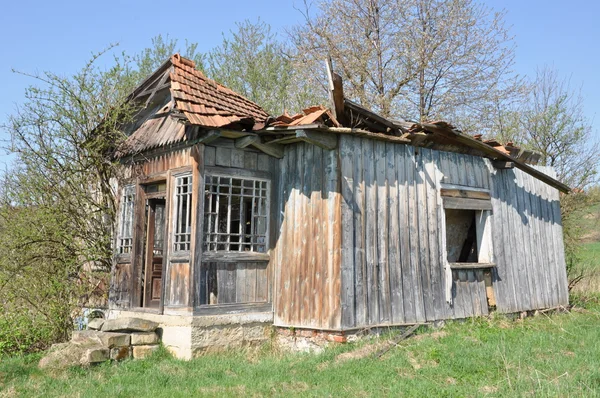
<point>557,355</point>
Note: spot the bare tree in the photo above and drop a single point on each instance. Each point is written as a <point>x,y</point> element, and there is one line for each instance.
<point>554,123</point>
<point>417,59</point>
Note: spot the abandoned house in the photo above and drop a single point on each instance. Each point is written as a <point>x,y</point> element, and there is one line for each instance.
<point>333,220</point>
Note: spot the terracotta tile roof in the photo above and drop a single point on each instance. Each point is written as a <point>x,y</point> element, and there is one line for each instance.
<point>204,102</point>
<point>313,115</point>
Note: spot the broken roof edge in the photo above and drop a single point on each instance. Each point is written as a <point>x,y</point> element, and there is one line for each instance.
<point>428,128</point>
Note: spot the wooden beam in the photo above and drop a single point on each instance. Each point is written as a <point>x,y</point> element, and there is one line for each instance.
<point>322,140</point>
<point>463,193</point>
<point>503,164</point>
<point>246,141</point>
<point>208,136</point>
<point>336,92</point>
<point>467,203</point>
<point>275,150</point>
<point>495,154</point>
<point>471,265</point>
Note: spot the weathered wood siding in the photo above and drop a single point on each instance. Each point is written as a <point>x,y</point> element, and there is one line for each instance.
<point>235,280</point>
<point>394,268</point>
<point>240,282</point>
<point>531,271</point>
<point>127,272</point>
<point>307,254</point>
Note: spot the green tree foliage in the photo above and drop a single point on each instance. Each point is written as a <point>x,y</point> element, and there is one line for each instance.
<point>254,63</point>
<point>148,60</point>
<point>57,206</point>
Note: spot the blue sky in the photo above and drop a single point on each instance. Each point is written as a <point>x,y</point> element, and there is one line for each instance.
<point>60,36</point>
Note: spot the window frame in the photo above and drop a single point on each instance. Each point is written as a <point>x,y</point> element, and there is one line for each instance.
<point>479,201</point>
<point>128,190</point>
<point>211,254</point>
<point>173,246</point>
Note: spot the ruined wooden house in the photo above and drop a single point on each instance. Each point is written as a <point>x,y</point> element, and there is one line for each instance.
<point>331,220</point>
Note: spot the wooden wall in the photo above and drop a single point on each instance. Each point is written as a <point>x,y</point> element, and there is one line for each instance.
<point>394,268</point>
<point>531,270</point>
<point>307,253</point>
<point>236,280</point>
<point>127,272</point>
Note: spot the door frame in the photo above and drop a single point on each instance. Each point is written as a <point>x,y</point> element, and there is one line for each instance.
<point>148,262</point>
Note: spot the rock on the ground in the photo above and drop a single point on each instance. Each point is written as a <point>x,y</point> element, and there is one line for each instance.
<point>144,338</point>
<point>106,339</point>
<point>95,324</point>
<point>71,354</point>
<point>120,353</point>
<point>94,355</point>
<point>129,325</point>
<point>143,351</point>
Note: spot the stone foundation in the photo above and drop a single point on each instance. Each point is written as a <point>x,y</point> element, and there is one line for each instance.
<point>115,340</point>
<point>189,336</point>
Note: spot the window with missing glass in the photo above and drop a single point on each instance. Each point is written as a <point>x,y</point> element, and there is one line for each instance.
<point>182,213</point>
<point>235,214</point>
<point>125,239</point>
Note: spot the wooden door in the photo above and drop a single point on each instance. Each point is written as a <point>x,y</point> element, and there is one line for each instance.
<point>155,233</point>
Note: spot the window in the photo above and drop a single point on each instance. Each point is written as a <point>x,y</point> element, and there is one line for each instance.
<point>125,240</point>
<point>235,214</point>
<point>183,213</point>
<point>468,228</point>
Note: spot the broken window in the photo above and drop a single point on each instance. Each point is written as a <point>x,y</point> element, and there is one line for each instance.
<point>183,213</point>
<point>125,240</point>
<point>468,226</point>
<point>235,214</point>
<point>461,236</point>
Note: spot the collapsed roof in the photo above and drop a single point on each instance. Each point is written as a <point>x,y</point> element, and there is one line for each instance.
<point>190,105</point>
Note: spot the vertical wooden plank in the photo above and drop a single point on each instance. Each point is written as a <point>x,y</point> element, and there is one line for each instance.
<point>306,248</point>
<point>262,286</point>
<point>251,160</point>
<point>474,297</point>
<point>262,162</point>
<point>470,170</point>
<point>415,242</point>
<point>252,285</point>
<point>540,250</point>
<point>334,206</point>
<point>522,292</point>
<point>559,248</point>
<point>241,280</point>
<point>197,236</point>
<point>347,256</point>
<point>223,157</point>
<point>371,233</point>
<point>394,261</point>
<point>299,238</point>
<point>422,222</point>
<point>545,220</point>
<point>209,155</point>
<point>431,159</point>
<point>237,158</point>
<point>319,225</point>
<point>382,225</point>
<point>403,168</point>
<point>524,226</point>
<point>460,291</point>
<point>360,262</point>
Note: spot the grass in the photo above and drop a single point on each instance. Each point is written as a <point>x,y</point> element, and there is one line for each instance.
<point>546,355</point>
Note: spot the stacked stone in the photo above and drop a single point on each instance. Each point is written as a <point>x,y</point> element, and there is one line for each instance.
<point>114,339</point>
